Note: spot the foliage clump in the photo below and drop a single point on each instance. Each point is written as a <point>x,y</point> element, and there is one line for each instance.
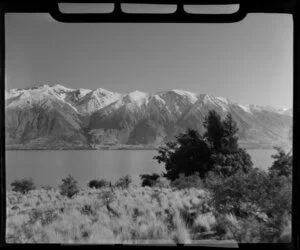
<point>47,187</point>
<point>124,182</point>
<point>97,184</point>
<point>216,150</point>
<point>241,193</point>
<point>282,164</point>
<point>190,153</point>
<point>69,187</point>
<point>23,185</point>
<point>191,181</point>
<point>149,180</point>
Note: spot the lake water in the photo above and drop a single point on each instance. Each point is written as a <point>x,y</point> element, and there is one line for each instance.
<point>49,167</point>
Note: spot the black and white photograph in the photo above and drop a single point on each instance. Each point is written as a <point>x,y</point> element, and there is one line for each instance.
<point>148,133</point>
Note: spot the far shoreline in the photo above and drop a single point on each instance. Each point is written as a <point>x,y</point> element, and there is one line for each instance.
<point>110,149</point>
<point>120,147</point>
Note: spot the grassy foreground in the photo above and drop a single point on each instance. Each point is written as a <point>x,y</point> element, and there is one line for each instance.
<point>114,215</point>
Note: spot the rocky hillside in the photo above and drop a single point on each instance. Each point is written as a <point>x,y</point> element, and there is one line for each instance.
<point>53,116</point>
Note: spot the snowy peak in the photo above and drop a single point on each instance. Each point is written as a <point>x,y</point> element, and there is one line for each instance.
<point>101,92</point>
<point>176,101</point>
<point>95,100</point>
<point>193,97</point>
<point>59,88</point>
<point>137,96</point>
<point>212,102</point>
<point>130,101</point>
<point>83,101</point>
<point>49,112</point>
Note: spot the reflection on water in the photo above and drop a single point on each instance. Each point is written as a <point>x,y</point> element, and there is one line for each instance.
<point>49,167</point>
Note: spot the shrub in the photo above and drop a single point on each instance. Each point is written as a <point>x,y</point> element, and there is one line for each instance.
<point>212,179</point>
<point>88,210</point>
<point>279,200</point>
<point>247,230</point>
<point>241,194</point>
<point>107,197</point>
<point>255,193</point>
<point>98,183</point>
<point>162,182</point>
<point>23,186</point>
<point>124,182</point>
<point>149,180</point>
<point>69,187</point>
<point>45,216</point>
<point>192,181</point>
<point>47,187</point>
<point>283,163</point>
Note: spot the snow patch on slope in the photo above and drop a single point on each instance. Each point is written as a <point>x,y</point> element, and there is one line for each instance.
<point>245,108</point>
<point>137,98</point>
<point>192,96</point>
<point>96,99</point>
<point>223,99</point>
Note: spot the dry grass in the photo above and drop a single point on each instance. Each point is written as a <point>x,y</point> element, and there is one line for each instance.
<point>137,215</point>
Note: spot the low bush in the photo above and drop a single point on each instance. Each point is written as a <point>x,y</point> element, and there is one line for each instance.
<point>23,186</point>
<point>124,182</point>
<point>69,187</point>
<point>149,180</point>
<point>162,182</point>
<point>47,187</point>
<point>191,181</point>
<point>98,183</point>
<point>106,196</point>
<point>241,194</point>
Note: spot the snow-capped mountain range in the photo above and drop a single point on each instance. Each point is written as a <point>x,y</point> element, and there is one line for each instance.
<point>53,116</point>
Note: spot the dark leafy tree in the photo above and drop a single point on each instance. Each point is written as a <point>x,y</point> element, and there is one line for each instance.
<point>23,186</point>
<point>69,187</point>
<point>227,158</point>
<point>230,139</point>
<point>217,150</point>
<point>98,183</point>
<point>283,163</point>
<point>214,130</point>
<point>189,154</point>
<point>149,180</point>
<point>227,164</point>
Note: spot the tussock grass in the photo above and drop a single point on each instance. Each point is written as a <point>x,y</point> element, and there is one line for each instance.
<point>136,215</point>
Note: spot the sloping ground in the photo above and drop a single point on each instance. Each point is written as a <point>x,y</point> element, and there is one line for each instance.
<point>111,215</point>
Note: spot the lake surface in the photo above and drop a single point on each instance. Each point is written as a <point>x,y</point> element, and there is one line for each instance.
<point>49,167</point>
